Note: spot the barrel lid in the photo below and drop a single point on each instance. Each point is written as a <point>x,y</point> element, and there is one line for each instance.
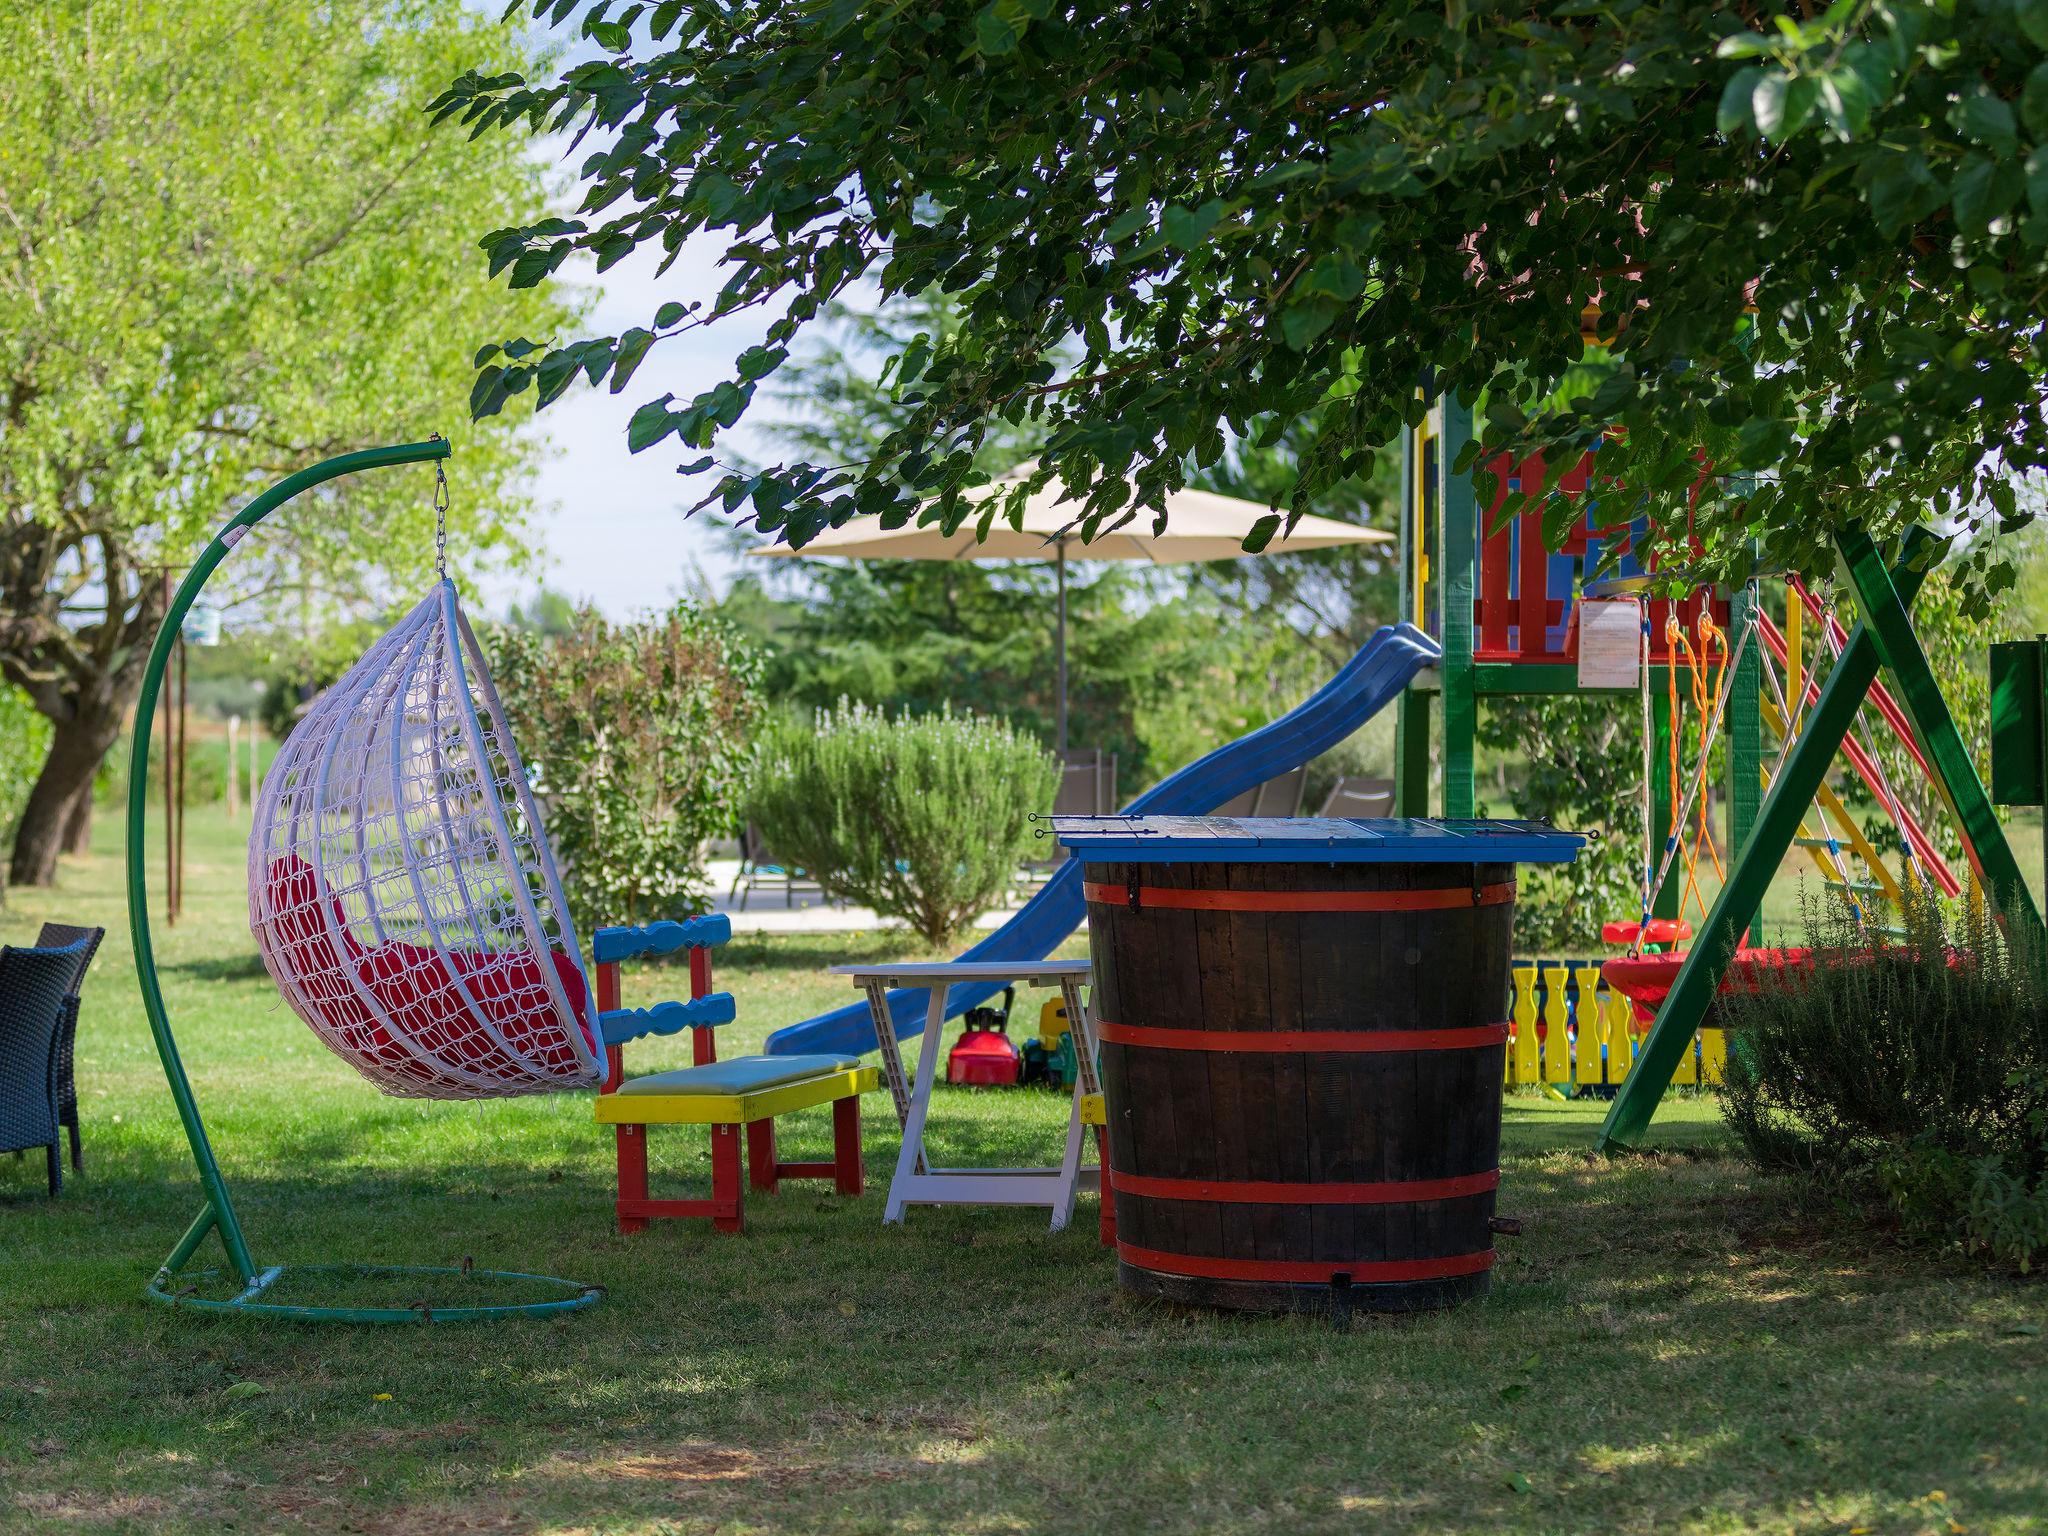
<point>1313,840</point>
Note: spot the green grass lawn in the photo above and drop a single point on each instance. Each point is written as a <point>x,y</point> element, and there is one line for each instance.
<point>1671,1347</point>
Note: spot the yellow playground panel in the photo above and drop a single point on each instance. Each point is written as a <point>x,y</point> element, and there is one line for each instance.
<point>1559,1041</point>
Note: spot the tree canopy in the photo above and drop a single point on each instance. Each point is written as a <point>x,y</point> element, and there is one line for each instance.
<point>198,295</point>
<point>1819,239</point>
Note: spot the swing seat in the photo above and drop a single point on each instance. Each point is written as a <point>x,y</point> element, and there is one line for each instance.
<point>1646,980</point>
<point>488,1012</point>
<point>1658,930</point>
<point>401,887</point>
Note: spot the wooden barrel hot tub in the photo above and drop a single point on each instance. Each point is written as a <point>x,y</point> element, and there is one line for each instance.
<point>1302,1026</point>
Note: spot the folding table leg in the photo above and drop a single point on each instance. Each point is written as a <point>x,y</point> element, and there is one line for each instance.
<point>910,1158</point>
<point>1070,1164</point>
<point>846,1149</point>
<point>632,1174</point>
<point>890,1047</point>
<point>761,1168</point>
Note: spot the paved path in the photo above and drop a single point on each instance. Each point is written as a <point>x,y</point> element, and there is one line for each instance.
<point>806,912</point>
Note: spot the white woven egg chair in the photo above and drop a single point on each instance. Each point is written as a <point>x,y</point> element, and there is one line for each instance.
<point>401,887</point>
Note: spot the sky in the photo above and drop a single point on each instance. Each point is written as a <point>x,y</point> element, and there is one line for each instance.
<point>611,522</point>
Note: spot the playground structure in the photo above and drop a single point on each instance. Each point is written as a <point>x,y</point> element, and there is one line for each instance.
<point>1489,611</point>
<point>1508,616</point>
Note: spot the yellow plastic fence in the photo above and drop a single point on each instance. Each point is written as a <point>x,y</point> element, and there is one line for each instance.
<point>1584,1046</point>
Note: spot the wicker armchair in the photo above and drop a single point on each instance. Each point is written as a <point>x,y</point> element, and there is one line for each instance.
<point>33,986</point>
<point>62,936</point>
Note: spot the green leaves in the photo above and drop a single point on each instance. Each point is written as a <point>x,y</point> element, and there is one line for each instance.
<point>1989,120</point>
<point>650,424</point>
<point>1780,105</point>
<point>1000,26</point>
<point>1157,231</point>
<point>1186,228</point>
<point>1736,114</point>
<point>2032,16</point>
<point>633,794</point>
<point>944,800</point>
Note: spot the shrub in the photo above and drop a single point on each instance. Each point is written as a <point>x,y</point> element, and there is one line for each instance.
<point>636,740</point>
<point>24,739</point>
<point>206,771</point>
<point>924,818</point>
<point>1917,1065</point>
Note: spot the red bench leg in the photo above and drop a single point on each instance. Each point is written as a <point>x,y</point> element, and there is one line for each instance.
<point>846,1158</point>
<point>726,1195</point>
<point>632,1175</point>
<point>761,1168</point>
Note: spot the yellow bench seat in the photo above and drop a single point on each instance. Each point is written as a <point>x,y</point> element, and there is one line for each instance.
<point>742,1074</point>
<point>729,1101</point>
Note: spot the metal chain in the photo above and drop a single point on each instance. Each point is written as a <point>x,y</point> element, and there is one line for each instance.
<point>441,520</point>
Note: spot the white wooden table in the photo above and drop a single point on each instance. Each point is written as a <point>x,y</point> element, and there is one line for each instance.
<point>918,1183</point>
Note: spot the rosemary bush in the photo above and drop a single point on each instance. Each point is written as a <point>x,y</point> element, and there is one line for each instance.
<point>1917,1065</point>
<point>921,817</point>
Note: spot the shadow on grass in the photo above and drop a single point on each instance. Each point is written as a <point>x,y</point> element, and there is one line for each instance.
<point>1659,1353</point>
<point>241,965</point>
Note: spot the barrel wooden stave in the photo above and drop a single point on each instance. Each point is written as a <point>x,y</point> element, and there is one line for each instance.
<point>1315,1117</point>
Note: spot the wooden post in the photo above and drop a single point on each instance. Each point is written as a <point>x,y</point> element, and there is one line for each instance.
<point>1411,753</point>
<point>255,736</point>
<point>1777,823</point>
<point>1879,597</point>
<point>1743,726</point>
<point>1667,900</point>
<point>234,731</point>
<point>1458,498</point>
<point>1411,718</point>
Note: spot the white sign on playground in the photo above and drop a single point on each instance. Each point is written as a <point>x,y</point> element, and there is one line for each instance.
<point>1610,642</point>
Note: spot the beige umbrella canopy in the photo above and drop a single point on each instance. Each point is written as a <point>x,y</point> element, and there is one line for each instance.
<point>1200,526</point>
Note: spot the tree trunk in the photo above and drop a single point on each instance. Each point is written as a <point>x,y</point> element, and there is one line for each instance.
<point>78,823</point>
<point>77,745</point>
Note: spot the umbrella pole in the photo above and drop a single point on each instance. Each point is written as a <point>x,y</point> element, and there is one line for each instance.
<point>1060,648</point>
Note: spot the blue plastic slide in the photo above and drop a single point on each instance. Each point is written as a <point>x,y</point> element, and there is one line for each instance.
<point>1369,682</point>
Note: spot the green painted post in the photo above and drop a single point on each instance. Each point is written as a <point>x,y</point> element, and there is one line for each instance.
<point>1899,649</point>
<point>220,1211</point>
<point>1665,902</point>
<point>1458,498</point>
<point>1744,725</point>
<point>1777,823</point>
<point>1411,718</point>
<point>1411,754</point>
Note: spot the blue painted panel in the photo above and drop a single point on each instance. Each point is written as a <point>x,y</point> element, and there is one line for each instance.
<point>1313,840</point>
<point>608,945</point>
<point>618,1025</point>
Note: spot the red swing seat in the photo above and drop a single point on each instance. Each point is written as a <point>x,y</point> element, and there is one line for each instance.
<point>1646,980</point>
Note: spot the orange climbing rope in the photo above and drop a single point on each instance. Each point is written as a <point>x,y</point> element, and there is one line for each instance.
<point>1706,677</point>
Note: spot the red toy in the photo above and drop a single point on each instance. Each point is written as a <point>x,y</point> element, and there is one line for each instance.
<point>985,1056</point>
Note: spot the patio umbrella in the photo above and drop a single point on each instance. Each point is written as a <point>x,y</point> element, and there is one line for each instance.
<point>1201,526</point>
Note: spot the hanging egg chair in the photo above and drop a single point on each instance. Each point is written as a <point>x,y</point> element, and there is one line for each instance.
<point>405,901</point>
<point>401,887</point>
